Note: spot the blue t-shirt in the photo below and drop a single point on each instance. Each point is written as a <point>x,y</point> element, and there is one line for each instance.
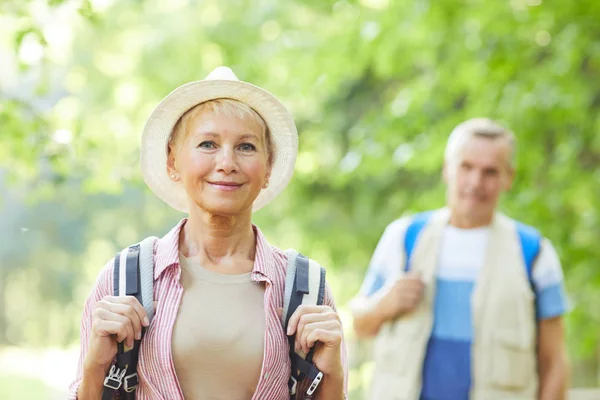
<point>447,364</point>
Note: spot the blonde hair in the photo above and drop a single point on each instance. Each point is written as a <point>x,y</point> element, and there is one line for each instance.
<point>478,127</point>
<point>227,107</point>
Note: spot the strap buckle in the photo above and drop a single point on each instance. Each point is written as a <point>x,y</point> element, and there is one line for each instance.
<point>114,380</point>
<point>315,384</point>
<point>292,385</point>
<point>131,382</point>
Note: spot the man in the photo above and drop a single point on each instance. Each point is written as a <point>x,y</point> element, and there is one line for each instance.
<point>464,302</point>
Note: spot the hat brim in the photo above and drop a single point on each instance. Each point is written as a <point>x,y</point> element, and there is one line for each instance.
<point>158,128</point>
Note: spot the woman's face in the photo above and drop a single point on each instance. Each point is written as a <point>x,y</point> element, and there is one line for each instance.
<point>222,162</point>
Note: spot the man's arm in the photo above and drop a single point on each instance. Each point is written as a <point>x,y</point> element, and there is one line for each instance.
<point>367,315</point>
<point>401,297</point>
<point>385,267</point>
<point>551,304</point>
<point>552,360</point>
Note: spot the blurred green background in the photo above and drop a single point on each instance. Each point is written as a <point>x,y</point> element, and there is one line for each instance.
<point>375,87</point>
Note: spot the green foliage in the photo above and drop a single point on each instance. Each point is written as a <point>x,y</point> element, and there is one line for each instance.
<point>375,87</point>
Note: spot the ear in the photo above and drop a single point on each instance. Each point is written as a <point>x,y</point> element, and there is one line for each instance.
<point>445,172</point>
<point>268,172</point>
<point>171,164</point>
<point>510,177</point>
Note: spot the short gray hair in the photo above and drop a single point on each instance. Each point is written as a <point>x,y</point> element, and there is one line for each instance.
<point>478,127</point>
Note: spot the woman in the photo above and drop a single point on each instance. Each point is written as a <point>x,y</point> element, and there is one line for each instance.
<point>217,149</point>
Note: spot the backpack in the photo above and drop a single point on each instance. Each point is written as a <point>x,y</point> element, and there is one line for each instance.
<point>531,242</point>
<point>134,276</point>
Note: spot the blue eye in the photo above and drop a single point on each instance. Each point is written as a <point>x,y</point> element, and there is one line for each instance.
<point>247,147</point>
<point>207,145</point>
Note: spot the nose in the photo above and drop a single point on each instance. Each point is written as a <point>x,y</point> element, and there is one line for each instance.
<point>476,179</point>
<point>227,161</point>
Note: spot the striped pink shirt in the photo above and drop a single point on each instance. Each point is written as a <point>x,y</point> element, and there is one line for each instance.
<point>156,371</point>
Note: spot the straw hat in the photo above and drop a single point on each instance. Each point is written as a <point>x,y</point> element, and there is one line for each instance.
<point>219,84</point>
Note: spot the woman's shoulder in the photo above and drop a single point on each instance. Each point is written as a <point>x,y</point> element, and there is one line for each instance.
<point>282,258</point>
<point>279,259</point>
<point>279,254</point>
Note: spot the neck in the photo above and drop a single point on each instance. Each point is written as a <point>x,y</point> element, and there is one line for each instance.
<point>469,221</point>
<point>215,237</point>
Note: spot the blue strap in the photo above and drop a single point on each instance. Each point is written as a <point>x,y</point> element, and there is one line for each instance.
<point>412,232</point>
<point>531,243</point>
<point>530,239</point>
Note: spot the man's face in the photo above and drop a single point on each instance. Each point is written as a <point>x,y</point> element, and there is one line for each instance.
<point>476,176</point>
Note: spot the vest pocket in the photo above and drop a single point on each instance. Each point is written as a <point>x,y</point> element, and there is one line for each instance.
<point>398,342</point>
<point>391,354</point>
<point>512,361</point>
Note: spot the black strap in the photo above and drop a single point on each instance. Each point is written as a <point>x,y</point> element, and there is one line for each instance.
<point>295,302</point>
<point>300,368</point>
<point>307,369</point>
<point>108,394</point>
<point>302,269</point>
<point>297,295</point>
<point>132,271</point>
<point>125,361</point>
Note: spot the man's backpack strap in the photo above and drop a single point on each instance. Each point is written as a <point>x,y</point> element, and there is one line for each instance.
<point>530,238</point>
<point>413,230</point>
<point>304,284</point>
<point>531,244</point>
<point>133,276</point>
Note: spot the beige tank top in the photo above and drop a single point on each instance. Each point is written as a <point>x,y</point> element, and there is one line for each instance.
<point>218,337</point>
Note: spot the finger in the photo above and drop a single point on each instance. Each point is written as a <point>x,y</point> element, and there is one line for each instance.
<point>309,319</point>
<point>301,310</point>
<point>279,311</point>
<point>416,288</point>
<point>329,325</point>
<point>107,324</point>
<point>124,328</point>
<point>410,297</point>
<point>411,283</point>
<point>133,302</point>
<point>406,288</point>
<point>329,337</point>
<point>127,311</point>
<point>111,328</point>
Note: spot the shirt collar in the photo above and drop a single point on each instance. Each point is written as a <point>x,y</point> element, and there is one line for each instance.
<point>264,262</point>
<point>167,254</point>
<point>167,250</point>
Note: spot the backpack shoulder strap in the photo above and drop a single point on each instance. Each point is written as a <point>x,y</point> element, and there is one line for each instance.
<point>133,276</point>
<point>412,233</point>
<point>304,284</point>
<point>146,268</point>
<point>134,273</point>
<point>531,244</point>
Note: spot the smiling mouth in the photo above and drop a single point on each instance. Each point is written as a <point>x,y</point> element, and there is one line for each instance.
<point>478,199</point>
<point>226,186</point>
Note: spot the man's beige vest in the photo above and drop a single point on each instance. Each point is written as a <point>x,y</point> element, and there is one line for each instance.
<point>503,363</point>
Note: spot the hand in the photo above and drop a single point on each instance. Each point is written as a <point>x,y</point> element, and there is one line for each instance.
<point>402,297</point>
<point>319,326</point>
<point>115,319</point>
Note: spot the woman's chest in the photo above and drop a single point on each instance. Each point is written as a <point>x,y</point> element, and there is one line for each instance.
<point>239,326</point>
